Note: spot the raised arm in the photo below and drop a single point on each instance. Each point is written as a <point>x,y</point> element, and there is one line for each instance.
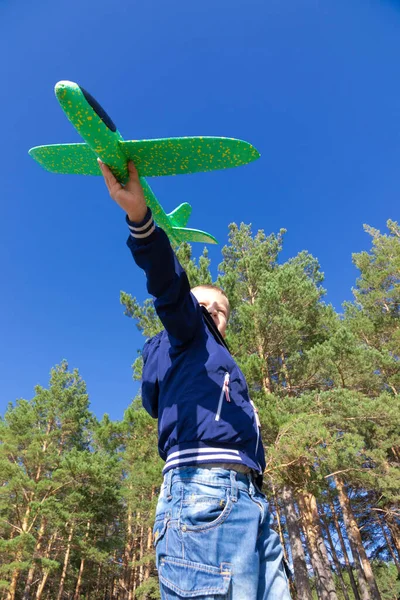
<point>166,279</point>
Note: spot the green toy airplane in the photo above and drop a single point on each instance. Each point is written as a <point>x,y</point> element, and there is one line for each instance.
<point>152,158</point>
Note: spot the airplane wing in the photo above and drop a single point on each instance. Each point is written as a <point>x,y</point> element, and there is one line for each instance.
<point>178,156</point>
<point>184,234</point>
<point>67,158</point>
<point>153,158</point>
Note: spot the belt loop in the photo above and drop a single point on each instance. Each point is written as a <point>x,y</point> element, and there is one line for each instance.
<point>234,487</point>
<point>168,484</point>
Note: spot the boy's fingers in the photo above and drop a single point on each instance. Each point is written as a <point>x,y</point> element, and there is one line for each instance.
<point>108,175</point>
<point>133,174</point>
<point>114,188</point>
<point>112,183</point>
<point>132,169</point>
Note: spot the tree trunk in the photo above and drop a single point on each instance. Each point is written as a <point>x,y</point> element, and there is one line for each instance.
<point>395,531</point>
<point>265,377</point>
<point>355,536</point>
<point>147,569</point>
<point>388,542</point>
<point>278,520</point>
<point>105,595</point>
<point>141,553</point>
<point>36,554</point>
<point>288,385</point>
<point>362,581</point>
<point>335,558</point>
<point>134,580</point>
<point>135,568</point>
<point>18,558</point>
<point>298,556</point>
<point>114,589</point>
<point>81,566</point>
<point>46,571</point>
<point>126,575</point>
<point>97,591</point>
<point>42,583</point>
<point>79,580</point>
<point>149,544</point>
<point>344,552</point>
<point>66,561</point>
<point>14,580</point>
<point>319,557</point>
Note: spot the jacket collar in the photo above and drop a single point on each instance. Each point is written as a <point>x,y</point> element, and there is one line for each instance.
<point>213,328</point>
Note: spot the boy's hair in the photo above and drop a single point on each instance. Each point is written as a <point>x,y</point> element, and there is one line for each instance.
<point>209,286</point>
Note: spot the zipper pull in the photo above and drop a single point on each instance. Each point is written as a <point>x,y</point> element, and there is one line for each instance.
<point>226,387</point>
<point>224,391</point>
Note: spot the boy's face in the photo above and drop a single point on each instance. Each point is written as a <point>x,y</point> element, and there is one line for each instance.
<point>216,304</point>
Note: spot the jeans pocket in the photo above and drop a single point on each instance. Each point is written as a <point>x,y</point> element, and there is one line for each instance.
<point>204,509</point>
<point>187,579</point>
<point>159,529</point>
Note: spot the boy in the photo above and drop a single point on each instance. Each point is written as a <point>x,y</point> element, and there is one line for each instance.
<point>211,531</point>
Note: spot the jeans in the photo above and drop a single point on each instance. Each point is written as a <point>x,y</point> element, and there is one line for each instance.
<point>213,540</point>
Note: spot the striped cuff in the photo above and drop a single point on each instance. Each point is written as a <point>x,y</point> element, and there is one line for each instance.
<point>143,229</point>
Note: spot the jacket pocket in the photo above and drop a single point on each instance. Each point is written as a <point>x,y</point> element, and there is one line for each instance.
<point>193,580</point>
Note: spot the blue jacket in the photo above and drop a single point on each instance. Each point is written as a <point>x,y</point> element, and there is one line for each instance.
<point>191,382</point>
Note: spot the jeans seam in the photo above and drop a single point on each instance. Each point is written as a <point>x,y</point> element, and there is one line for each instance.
<point>180,591</point>
<point>198,567</point>
<point>205,481</point>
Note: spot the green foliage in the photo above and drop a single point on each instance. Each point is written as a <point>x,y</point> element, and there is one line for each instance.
<point>374,316</point>
<point>149,590</point>
<point>388,580</point>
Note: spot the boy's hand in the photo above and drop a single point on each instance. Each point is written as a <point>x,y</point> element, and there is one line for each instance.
<point>129,197</point>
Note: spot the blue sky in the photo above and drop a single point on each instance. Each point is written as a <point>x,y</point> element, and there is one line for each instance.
<point>313,84</point>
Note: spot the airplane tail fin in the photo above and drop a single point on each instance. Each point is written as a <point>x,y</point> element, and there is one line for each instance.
<point>184,234</point>
<point>180,216</point>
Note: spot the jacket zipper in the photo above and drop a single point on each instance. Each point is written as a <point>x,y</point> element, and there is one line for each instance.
<point>224,392</point>
<point>258,424</point>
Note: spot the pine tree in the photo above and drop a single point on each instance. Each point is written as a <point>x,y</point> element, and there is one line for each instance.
<point>56,490</point>
<point>278,317</point>
<point>34,437</point>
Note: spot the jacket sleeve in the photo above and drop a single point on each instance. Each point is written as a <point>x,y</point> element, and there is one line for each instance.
<point>167,281</point>
<point>150,387</point>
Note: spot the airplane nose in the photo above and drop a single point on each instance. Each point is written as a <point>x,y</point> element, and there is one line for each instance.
<point>61,84</point>
<point>62,88</point>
